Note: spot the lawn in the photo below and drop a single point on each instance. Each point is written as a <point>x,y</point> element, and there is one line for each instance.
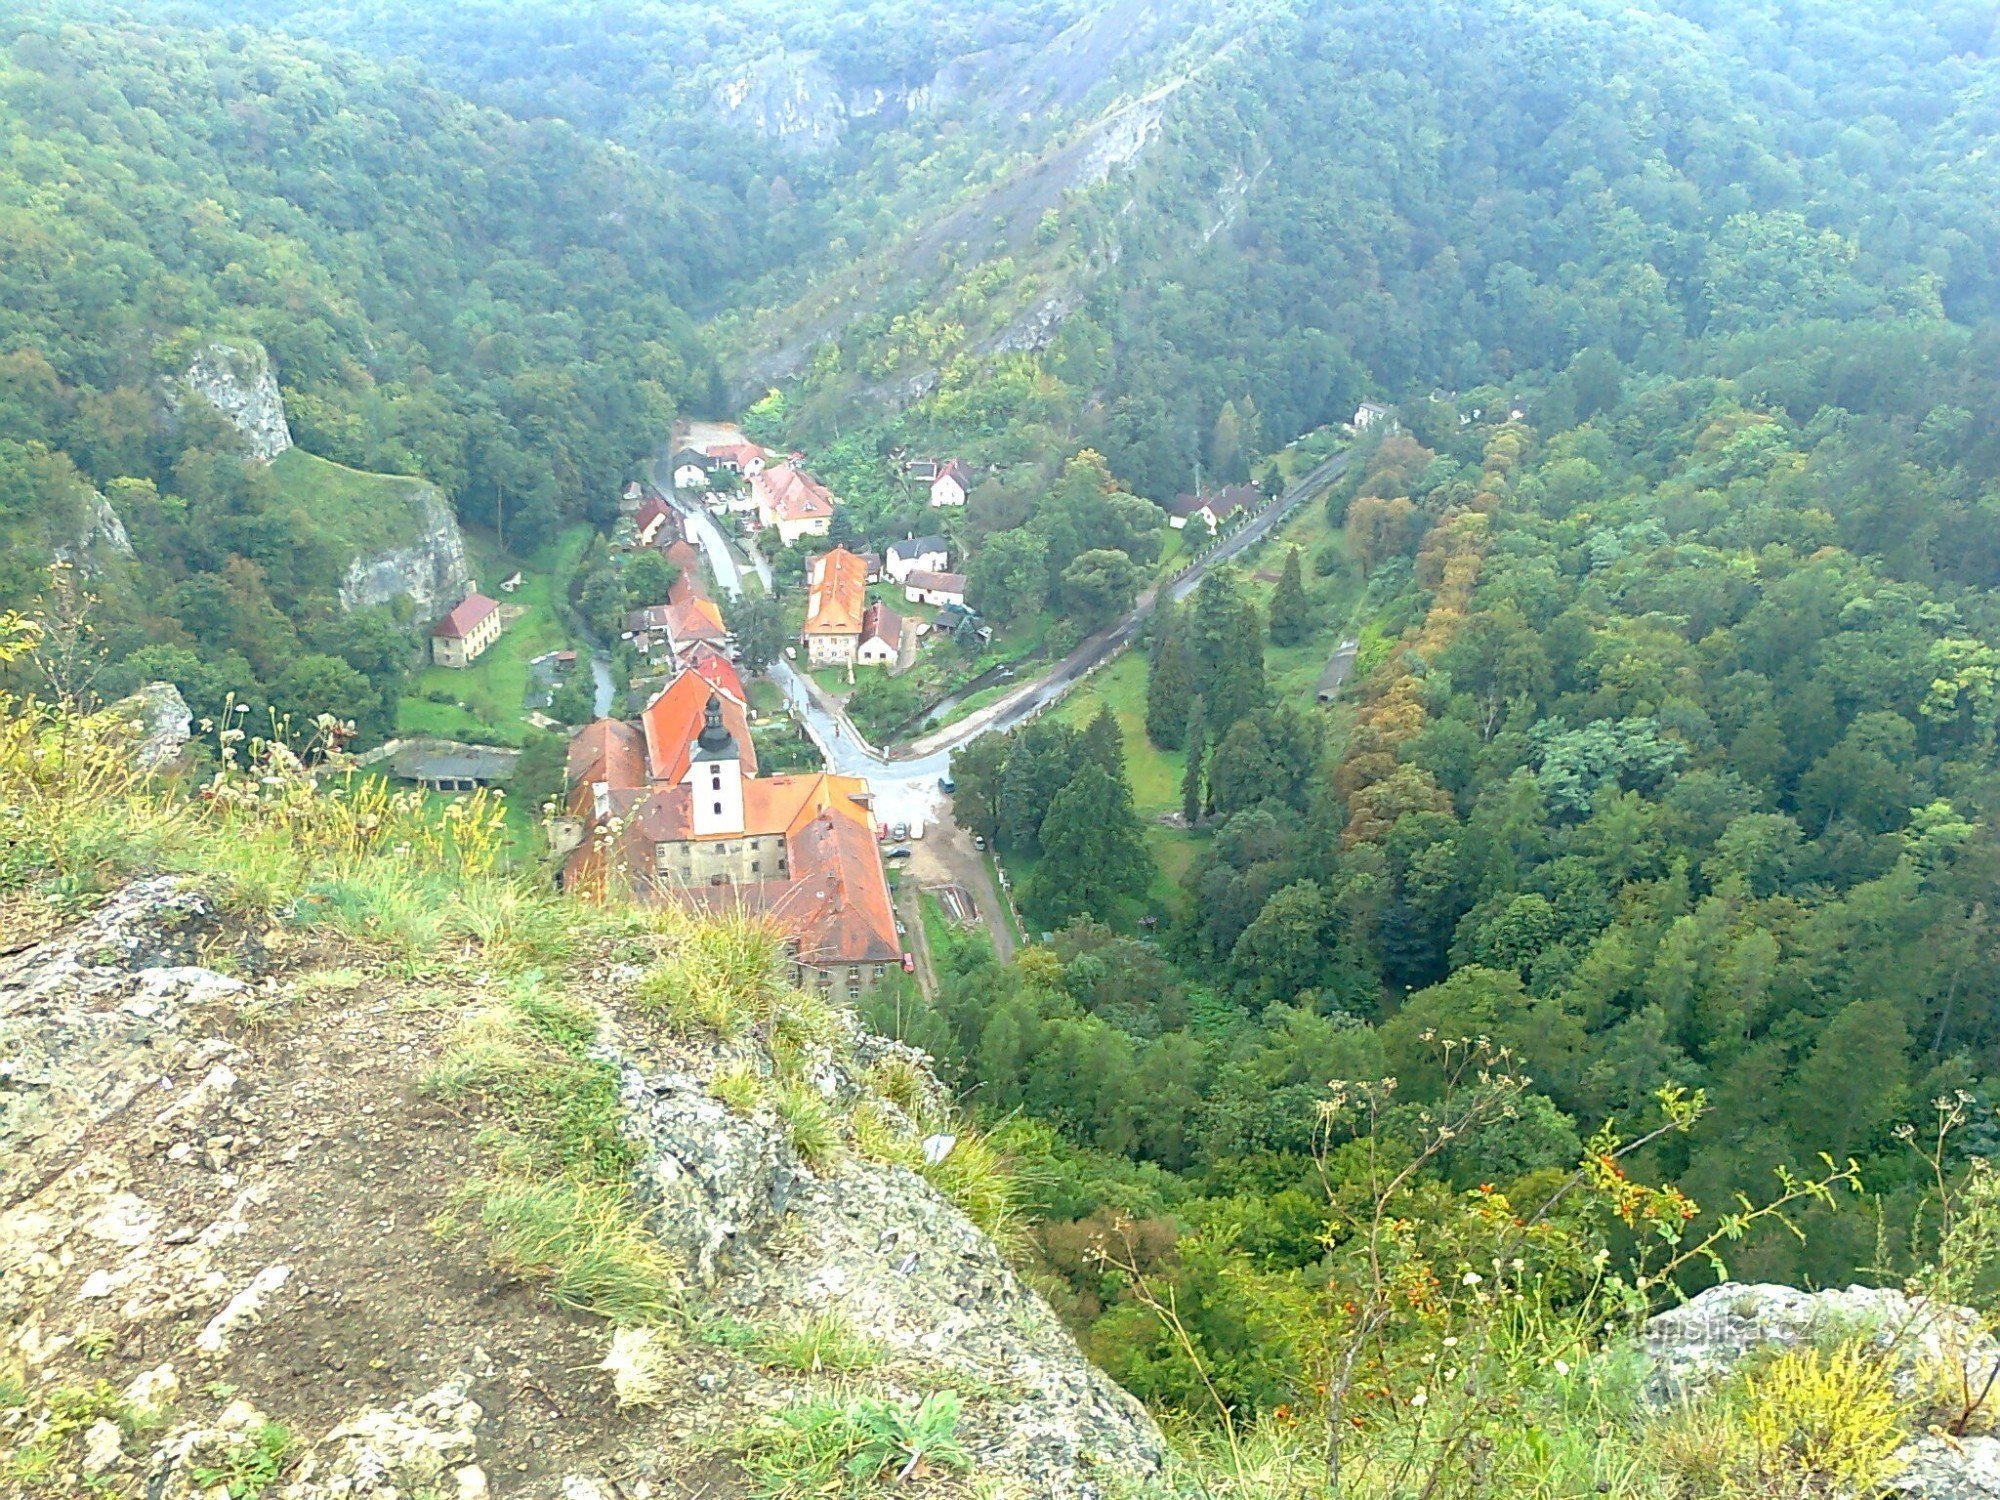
<point>365,513</point>
<point>486,701</point>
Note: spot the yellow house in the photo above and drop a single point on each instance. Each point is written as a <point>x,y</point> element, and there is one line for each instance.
<point>462,636</point>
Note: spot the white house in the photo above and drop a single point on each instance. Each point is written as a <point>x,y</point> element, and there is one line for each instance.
<point>923,587</point>
<point>881,636</point>
<point>1369,413</point>
<point>691,468</point>
<point>928,554</point>
<point>951,485</point>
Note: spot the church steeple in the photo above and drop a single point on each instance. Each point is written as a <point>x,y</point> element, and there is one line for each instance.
<point>715,776</point>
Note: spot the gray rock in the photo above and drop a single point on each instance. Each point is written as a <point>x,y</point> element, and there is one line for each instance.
<point>162,722</point>
<point>1937,1468</point>
<point>238,380</point>
<point>101,535</point>
<point>431,571</point>
<point>79,1050</point>
<point>775,1243</point>
<point>1693,1345</point>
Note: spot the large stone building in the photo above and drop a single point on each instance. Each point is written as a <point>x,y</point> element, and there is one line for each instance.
<point>791,502</point>
<point>675,810</point>
<point>461,637</point>
<point>836,597</point>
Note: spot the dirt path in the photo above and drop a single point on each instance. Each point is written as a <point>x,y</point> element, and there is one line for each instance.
<point>945,856</point>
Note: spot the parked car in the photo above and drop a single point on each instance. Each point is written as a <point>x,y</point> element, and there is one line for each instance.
<point>896,851</point>
<point>900,832</point>
<point>979,842</point>
<point>909,963</point>
<point>947,785</point>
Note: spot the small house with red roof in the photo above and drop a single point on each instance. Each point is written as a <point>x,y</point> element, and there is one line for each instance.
<point>461,637</point>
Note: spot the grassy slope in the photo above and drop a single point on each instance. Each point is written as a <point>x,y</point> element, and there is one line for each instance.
<point>365,513</point>
<point>485,701</point>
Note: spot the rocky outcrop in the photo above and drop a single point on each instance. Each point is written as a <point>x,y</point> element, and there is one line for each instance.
<point>775,1241</point>
<point>161,724</point>
<point>232,1213</point>
<point>238,380</point>
<point>431,572</point>
<point>1691,1347</point>
<point>791,97</point>
<point>100,536</point>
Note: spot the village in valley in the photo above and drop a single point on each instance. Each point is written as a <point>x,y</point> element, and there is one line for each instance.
<point>726,740</point>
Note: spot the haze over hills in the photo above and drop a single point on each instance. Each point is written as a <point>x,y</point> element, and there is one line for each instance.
<point>1454,542</point>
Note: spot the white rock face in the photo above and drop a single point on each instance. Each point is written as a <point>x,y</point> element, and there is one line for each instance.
<point>431,572</point>
<point>238,380</point>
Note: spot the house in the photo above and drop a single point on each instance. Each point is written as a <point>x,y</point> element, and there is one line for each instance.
<point>655,522</point>
<point>746,459</point>
<point>511,582</point>
<point>695,619</point>
<point>675,811</point>
<point>925,587</point>
<point>629,497</point>
<point>836,596</point>
<point>923,470</point>
<point>1370,414</point>
<point>928,553</point>
<point>1213,508</point>
<point>650,629</point>
<point>690,467</point>
<point>461,637</point>
<point>951,485</point>
<point>717,670</point>
<point>881,638</point>
<point>871,565</point>
<point>791,502</point>
<point>684,555</point>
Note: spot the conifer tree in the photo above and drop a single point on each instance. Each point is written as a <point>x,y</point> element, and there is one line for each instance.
<point>1169,685</point>
<point>1197,736</point>
<point>1104,742</point>
<point>1291,610</point>
<point>1093,848</point>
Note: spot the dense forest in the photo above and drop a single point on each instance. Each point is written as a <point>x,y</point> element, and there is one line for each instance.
<point>446,293</point>
<point>1672,756</point>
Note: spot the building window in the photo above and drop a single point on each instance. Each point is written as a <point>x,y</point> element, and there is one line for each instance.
<point>718,809</point>
<point>756,866</point>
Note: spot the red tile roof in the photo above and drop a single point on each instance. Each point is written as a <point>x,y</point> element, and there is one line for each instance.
<point>879,622</point>
<point>695,619</point>
<point>609,751</point>
<point>467,613</point>
<point>791,496</point>
<point>838,594</point>
<point>672,720</point>
<point>718,670</point>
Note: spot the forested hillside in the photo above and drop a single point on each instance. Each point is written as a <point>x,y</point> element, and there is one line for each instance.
<point>490,305</point>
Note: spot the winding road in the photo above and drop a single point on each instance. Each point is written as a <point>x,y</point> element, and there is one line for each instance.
<point>905,779</point>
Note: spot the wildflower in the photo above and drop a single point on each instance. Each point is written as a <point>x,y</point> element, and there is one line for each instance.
<point>1419,1399</point>
<point>1562,1367</point>
<point>1472,1278</point>
<point>1451,1343</point>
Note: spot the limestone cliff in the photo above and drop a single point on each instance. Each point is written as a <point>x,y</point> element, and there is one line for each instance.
<point>430,571</point>
<point>240,1233</point>
<point>238,380</point>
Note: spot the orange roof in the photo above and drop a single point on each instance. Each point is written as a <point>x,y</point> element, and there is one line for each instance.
<point>467,613</point>
<point>686,586</point>
<point>609,751</point>
<point>682,554</point>
<point>791,496</point>
<point>672,720</point>
<point>695,619</point>
<point>835,902</point>
<point>838,595</point>
<point>719,671</point>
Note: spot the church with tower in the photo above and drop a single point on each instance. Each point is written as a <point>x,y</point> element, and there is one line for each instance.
<point>673,809</point>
